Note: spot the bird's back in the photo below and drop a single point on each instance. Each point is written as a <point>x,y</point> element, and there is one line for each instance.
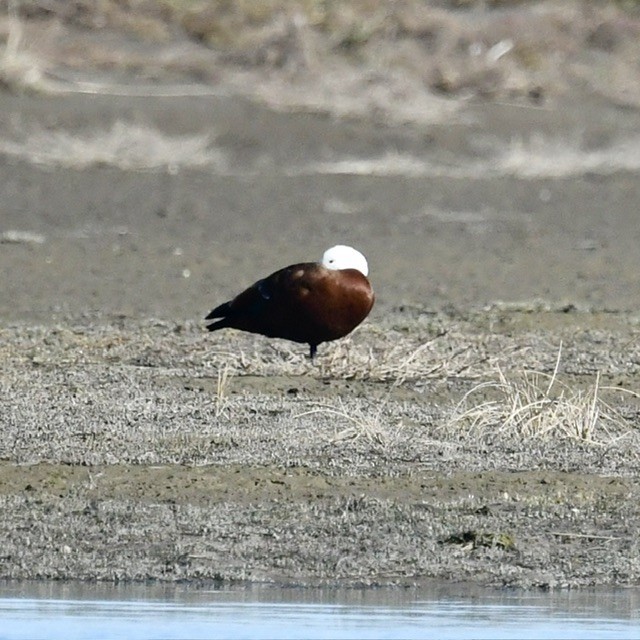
<point>304,302</point>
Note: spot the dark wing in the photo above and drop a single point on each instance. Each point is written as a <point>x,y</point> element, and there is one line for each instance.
<point>252,299</point>
<point>271,306</point>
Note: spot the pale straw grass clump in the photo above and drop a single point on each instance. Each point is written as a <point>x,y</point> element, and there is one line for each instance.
<point>399,359</point>
<point>19,69</point>
<point>542,157</point>
<point>125,145</point>
<point>536,405</point>
<point>353,423</point>
<point>396,363</point>
<point>221,397</point>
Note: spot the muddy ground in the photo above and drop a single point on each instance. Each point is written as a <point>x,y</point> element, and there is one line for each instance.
<point>482,425</point>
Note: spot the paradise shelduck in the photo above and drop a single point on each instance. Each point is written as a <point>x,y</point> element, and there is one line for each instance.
<point>310,302</point>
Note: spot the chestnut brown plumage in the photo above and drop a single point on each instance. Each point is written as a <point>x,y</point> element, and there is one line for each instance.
<point>308,302</point>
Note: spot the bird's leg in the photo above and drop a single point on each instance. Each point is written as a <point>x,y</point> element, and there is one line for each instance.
<point>312,351</point>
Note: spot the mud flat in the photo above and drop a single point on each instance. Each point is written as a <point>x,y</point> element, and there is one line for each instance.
<point>481,426</point>
<point>140,450</point>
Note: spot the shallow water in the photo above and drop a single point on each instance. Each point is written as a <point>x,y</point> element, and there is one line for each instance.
<point>37,610</point>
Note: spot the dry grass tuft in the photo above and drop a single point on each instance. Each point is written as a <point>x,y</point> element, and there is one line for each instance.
<point>541,156</point>
<point>396,359</point>
<point>19,69</point>
<point>398,363</point>
<point>538,406</point>
<point>363,424</point>
<point>221,399</point>
<point>400,59</point>
<point>126,146</point>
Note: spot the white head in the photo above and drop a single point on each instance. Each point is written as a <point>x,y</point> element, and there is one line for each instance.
<point>343,257</point>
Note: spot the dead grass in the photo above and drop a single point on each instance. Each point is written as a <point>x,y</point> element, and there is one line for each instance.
<point>400,362</point>
<point>126,146</point>
<point>432,354</point>
<point>20,69</point>
<point>542,157</point>
<point>221,398</point>
<point>157,393</point>
<point>536,157</point>
<point>392,56</point>
<point>369,424</point>
<point>535,405</point>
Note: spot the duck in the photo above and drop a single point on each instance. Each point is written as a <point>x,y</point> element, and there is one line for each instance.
<point>307,302</point>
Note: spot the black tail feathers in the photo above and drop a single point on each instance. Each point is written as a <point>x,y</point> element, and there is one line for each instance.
<point>220,324</point>
<point>222,312</point>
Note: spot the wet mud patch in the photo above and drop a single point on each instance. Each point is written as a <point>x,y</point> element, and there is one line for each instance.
<point>532,529</point>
